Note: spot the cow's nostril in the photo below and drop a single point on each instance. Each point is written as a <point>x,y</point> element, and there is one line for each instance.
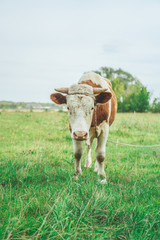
<point>79,135</point>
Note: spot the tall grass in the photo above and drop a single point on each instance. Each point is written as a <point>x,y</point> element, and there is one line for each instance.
<point>40,200</point>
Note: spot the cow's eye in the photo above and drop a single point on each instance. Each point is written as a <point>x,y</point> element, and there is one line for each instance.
<point>92,108</point>
<point>68,108</point>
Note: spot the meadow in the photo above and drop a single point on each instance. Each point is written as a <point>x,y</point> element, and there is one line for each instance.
<point>40,200</point>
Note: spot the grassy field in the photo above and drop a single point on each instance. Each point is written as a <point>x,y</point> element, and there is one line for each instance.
<point>40,200</point>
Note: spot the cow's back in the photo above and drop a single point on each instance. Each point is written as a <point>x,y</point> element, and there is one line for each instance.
<point>105,111</point>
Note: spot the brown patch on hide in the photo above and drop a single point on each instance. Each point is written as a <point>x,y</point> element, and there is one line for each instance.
<point>108,82</point>
<point>113,108</point>
<point>90,83</point>
<point>100,158</point>
<point>58,98</point>
<point>102,112</point>
<point>78,156</point>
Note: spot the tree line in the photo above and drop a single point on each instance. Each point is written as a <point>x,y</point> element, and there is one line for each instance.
<point>132,95</point>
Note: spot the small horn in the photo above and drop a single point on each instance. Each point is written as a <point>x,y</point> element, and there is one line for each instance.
<point>62,90</point>
<point>99,90</point>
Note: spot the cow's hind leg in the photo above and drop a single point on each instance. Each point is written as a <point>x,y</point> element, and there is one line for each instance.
<point>100,153</point>
<point>88,161</point>
<point>77,147</point>
<point>96,166</point>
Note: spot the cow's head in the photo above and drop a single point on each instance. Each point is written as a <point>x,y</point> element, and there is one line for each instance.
<point>80,100</point>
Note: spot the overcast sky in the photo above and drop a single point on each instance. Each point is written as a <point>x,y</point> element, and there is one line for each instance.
<point>48,44</point>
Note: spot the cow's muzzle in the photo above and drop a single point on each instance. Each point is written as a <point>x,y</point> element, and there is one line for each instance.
<point>80,136</point>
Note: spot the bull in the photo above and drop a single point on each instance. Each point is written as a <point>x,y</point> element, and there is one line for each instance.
<point>92,107</point>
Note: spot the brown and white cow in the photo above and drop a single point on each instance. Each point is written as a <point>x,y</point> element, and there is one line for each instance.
<point>92,107</point>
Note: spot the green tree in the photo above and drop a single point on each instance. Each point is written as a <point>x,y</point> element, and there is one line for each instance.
<point>125,77</point>
<point>136,99</point>
<point>156,105</point>
<point>131,94</point>
<point>143,100</point>
<point>118,87</point>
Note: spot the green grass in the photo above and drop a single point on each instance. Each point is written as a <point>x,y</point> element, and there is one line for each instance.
<point>40,200</point>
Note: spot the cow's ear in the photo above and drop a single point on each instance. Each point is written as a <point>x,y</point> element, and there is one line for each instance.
<point>103,97</point>
<point>58,98</point>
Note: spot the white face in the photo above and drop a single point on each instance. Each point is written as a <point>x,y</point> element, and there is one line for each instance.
<point>80,112</point>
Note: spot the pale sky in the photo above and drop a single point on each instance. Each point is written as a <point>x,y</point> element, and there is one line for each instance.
<point>46,44</point>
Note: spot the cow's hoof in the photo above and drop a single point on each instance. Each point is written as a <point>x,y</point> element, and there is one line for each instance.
<point>103,182</point>
<point>87,166</point>
<point>75,177</point>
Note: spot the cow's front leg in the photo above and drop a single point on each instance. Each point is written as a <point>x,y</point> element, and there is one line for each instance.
<point>88,161</point>
<point>77,147</point>
<point>100,153</point>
